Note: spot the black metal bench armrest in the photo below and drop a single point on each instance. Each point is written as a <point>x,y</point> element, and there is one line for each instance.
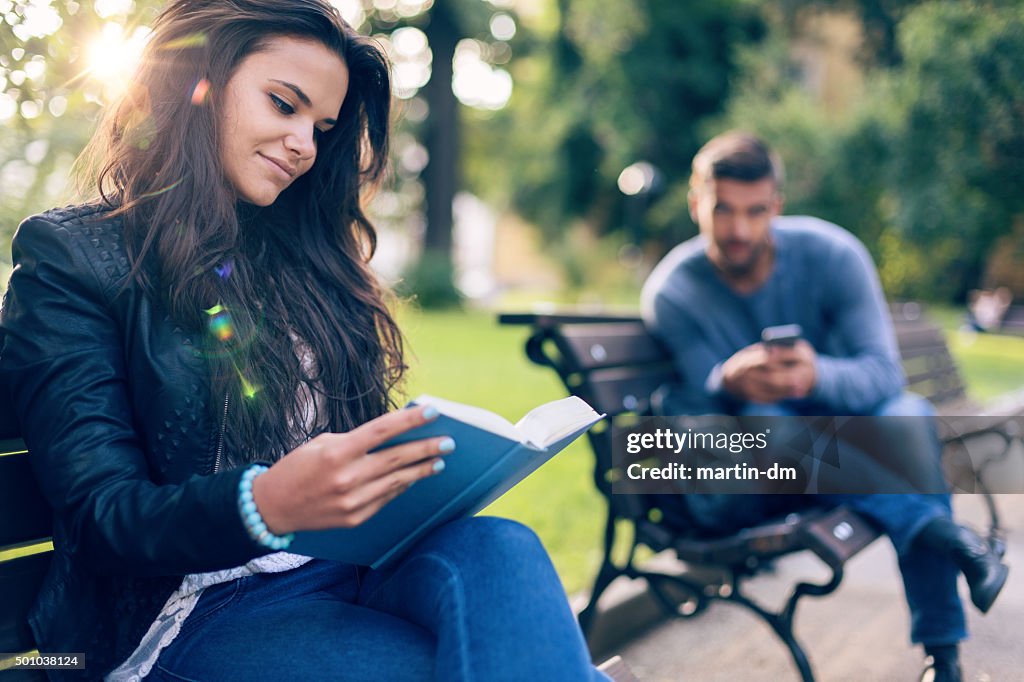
<point>967,426</point>
<point>834,536</point>
<point>837,535</point>
<point>566,316</point>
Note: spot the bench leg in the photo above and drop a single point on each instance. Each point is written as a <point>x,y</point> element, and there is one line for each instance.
<point>605,575</point>
<point>995,532</point>
<point>691,606</point>
<point>785,632</point>
<point>782,622</point>
<point>609,571</point>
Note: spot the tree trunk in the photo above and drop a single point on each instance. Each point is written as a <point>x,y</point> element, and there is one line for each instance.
<point>441,176</point>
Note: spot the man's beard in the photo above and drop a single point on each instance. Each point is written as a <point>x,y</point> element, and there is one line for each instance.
<point>758,250</point>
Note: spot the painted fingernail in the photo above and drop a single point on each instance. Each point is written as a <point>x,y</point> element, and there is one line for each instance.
<point>429,412</point>
<point>447,445</point>
<point>438,466</point>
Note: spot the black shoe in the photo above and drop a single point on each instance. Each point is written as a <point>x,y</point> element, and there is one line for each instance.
<point>985,573</point>
<point>974,556</point>
<point>942,671</point>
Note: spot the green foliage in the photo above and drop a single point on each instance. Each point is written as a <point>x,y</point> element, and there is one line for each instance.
<point>879,20</point>
<point>45,76</point>
<point>614,84</point>
<point>926,168</point>
<point>961,155</point>
<point>429,282</point>
<point>905,268</point>
<point>602,271</point>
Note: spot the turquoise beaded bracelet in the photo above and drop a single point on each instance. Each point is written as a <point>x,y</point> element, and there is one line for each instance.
<point>254,524</point>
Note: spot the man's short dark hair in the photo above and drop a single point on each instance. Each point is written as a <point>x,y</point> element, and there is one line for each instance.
<point>736,155</point>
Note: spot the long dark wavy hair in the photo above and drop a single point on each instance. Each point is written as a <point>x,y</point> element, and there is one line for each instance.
<point>266,286</point>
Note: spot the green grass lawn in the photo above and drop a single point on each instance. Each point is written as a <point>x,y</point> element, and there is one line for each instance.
<point>991,364</point>
<point>466,356</point>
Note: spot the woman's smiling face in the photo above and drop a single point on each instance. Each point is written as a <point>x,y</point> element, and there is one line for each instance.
<point>276,104</point>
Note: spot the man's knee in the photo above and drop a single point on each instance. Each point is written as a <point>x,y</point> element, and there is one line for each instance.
<point>766,410</point>
<point>905,404</point>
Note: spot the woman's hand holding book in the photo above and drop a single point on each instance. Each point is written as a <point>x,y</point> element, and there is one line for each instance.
<point>331,482</point>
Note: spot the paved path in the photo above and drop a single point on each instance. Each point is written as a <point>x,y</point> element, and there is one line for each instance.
<point>857,634</point>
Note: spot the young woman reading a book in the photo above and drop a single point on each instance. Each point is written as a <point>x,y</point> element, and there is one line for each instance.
<point>201,360</point>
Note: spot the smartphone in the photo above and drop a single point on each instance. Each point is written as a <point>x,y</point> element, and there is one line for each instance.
<point>782,335</point>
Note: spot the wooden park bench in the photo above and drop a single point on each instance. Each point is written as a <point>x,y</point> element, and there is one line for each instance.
<point>615,365</point>
<point>25,548</point>
<point>1012,322</point>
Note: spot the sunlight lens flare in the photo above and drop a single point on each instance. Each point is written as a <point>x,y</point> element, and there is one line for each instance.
<point>220,323</point>
<point>199,92</point>
<point>114,55</point>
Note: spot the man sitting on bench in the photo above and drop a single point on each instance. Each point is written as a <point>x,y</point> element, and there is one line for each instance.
<point>750,269</point>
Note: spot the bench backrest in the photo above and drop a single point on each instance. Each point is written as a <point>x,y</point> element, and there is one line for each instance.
<point>1013,321</point>
<point>930,368</point>
<point>616,366</point>
<point>25,549</point>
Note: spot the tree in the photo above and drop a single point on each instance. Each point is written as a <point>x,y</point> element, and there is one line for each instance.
<point>445,24</point>
<point>926,167</point>
<point>52,86</point>
<point>607,85</point>
<point>959,155</point>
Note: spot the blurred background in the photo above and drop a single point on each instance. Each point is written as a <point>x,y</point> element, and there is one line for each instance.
<point>542,146</point>
<point>542,151</point>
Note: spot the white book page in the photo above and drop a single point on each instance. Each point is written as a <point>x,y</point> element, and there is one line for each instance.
<point>553,421</point>
<point>474,416</point>
<point>541,426</point>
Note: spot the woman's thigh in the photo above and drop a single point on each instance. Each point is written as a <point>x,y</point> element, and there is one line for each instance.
<point>280,626</point>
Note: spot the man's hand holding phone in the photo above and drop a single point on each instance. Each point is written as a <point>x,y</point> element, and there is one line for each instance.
<point>782,336</point>
<point>780,367</point>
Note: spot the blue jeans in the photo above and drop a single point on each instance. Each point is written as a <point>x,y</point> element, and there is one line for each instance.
<point>478,599</point>
<point>929,577</point>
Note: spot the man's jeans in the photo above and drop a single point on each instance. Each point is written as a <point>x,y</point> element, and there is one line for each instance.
<point>929,577</point>
<point>478,599</point>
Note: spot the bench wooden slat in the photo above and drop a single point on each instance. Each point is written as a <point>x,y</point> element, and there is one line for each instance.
<point>24,514</point>
<point>24,675</point>
<point>918,333</point>
<point>938,389</point>
<point>597,346</point>
<point>1013,321</point>
<point>618,390</point>
<point>9,429</point>
<point>932,383</point>
<point>935,354</point>
<point>19,582</point>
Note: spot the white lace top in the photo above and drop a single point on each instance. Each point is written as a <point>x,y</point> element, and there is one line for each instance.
<point>180,604</point>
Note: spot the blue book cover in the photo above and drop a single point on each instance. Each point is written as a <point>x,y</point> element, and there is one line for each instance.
<point>491,457</point>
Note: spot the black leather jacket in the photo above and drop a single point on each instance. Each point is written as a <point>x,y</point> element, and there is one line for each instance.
<point>113,402</point>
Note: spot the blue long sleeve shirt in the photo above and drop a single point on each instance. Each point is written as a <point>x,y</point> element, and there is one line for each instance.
<point>823,279</point>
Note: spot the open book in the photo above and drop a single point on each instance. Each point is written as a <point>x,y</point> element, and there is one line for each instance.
<point>490,457</point>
